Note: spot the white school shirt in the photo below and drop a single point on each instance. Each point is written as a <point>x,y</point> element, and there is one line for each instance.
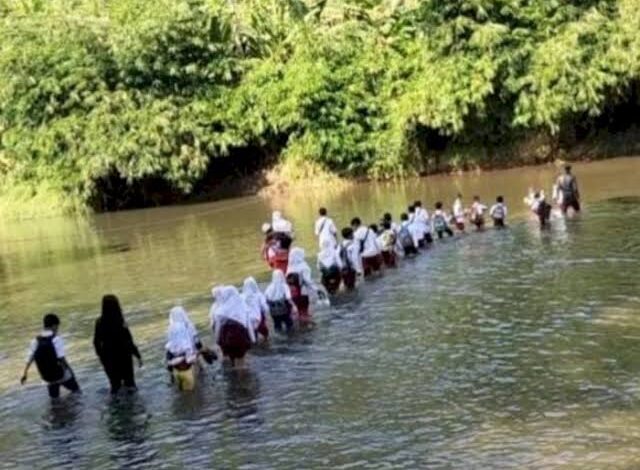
<point>352,249</point>
<point>478,208</point>
<point>57,342</point>
<point>495,207</point>
<point>458,210</point>
<point>329,261</point>
<point>370,241</point>
<point>415,231</point>
<point>422,217</point>
<point>326,229</point>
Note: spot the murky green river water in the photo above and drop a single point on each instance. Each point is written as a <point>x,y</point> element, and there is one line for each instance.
<point>513,349</point>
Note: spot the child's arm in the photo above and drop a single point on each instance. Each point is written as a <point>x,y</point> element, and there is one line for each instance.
<point>23,379</point>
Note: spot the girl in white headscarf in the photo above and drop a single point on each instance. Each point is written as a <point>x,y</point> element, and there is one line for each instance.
<point>232,328</point>
<point>257,303</point>
<point>182,348</point>
<point>281,306</point>
<point>329,265</point>
<point>280,224</point>
<point>300,283</point>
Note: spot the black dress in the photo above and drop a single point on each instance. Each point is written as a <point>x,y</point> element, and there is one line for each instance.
<point>116,349</point>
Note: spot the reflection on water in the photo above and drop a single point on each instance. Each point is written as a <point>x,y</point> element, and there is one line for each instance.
<point>506,349</point>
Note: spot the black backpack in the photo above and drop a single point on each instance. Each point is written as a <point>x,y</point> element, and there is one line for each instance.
<point>47,361</point>
<point>279,308</point>
<point>406,240</point>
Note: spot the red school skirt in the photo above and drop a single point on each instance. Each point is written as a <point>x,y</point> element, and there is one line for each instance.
<point>371,264</point>
<point>263,329</point>
<point>389,258</point>
<point>234,339</point>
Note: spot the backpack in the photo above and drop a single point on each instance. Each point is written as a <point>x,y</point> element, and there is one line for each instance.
<point>47,361</point>
<point>406,240</point>
<point>439,222</point>
<point>498,212</point>
<point>279,308</point>
<point>364,240</point>
<point>344,257</point>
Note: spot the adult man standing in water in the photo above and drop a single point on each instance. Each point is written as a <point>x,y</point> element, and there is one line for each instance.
<point>568,188</point>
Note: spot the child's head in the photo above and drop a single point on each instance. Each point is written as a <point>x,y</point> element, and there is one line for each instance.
<point>322,212</point>
<point>476,198</point>
<point>499,199</point>
<point>404,217</point>
<point>386,225</point>
<point>374,227</point>
<point>347,233</point>
<point>411,209</point>
<point>387,217</point>
<point>439,205</point>
<point>51,322</point>
<point>356,222</point>
<point>417,204</point>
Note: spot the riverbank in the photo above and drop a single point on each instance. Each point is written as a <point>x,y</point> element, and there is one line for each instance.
<point>268,177</point>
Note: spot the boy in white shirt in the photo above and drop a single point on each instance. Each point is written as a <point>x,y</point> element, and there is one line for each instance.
<point>47,351</point>
<point>498,213</point>
<point>440,224</point>
<point>325,229</point>
<point>408,236</point>
<point>350,257</point>
<point>422,217</point>
<point>477,213</point>
<point>387,240</point>
<point>367,241</point>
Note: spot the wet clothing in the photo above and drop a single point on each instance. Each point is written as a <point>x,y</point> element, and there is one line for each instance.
<point>477,214</point>
<point>298,295</point>
<point>458,214</point>
<point>325,230</point>
<point>47,351</point>
<point>350,257</point>
<point>440,225</point>
<point>279,300</point>
<point>389,259</point>
<point>568,189</point>
<point>371,264</point>
<point>331,278</point>
<point>409,238</point>
<point>498,213</point>
<point>233,339</point>
<point>115,349</point>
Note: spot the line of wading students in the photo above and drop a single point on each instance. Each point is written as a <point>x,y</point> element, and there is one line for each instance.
<point>239,319</point>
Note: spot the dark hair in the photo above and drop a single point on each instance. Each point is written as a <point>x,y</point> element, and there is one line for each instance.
<point>499,199</point>
<point>404,216</point>
<point>347,233</point>
<point>386,225</point>
<point>374,227</point>
<point>460,195</point>
<point>536,194</point>
<point>111,317</point>
<point>322,211</point>
<point>418,204</point>
<point>411,209</point>
<point>387,217</point>
<point>438,205</point>
<point>567,168</point>
<point>356,221</point>
<point>50,320</point>
<point>476,198</point>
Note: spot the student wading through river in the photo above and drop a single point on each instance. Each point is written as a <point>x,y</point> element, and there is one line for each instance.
<point>47,351</point>
<point>114,346</point>
<point>568,188</point>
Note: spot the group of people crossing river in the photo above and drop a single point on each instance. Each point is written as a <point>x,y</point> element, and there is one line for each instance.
<point>240,319</point>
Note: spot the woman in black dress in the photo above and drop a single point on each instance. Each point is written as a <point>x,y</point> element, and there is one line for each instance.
<point>114,345</point>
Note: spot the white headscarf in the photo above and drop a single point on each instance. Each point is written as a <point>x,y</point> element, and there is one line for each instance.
<point>278,289</point>
<point>181,335</point>
<point>230,306</point>
<point>255,300</point>
<point>327,255</point>
<point>279,223</point>
<point>297,264</point>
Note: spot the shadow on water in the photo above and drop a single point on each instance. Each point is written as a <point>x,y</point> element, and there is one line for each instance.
<point>127,423</point>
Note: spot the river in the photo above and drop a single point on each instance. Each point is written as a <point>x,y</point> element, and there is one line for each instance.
<point>509,349</point>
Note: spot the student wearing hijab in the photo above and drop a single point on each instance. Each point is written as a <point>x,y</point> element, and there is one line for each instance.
<point>114,345</point>
<point>232,329</point>
<point>330,265</point>
<point>281,306</point>
<point>300,283</point>
<point>258,306</point>
<point>281,225</point>
<point>182,348</point>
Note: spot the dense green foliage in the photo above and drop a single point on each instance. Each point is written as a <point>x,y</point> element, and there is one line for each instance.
<point>92,90</point>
